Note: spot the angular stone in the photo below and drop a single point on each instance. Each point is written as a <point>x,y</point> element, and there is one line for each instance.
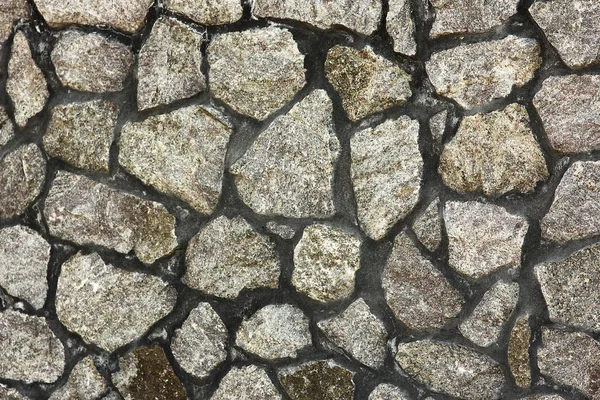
<point>415,290</point>
<point>85,382</point>
<point>7,130</point>
<point>385,391</point>
<point>108,306</point>
<point>518,352</point>
<point>289,168</point>
<point>325,261</point>
<point>228,256</point>
<point>469,16</point>
<point>401,27</point>
<point>30,352</point>
<point>257,71</point>
<point>323,380</point>
<point>76,210</point>
<point>10,12</point>
<point>207,12</point>
<point>428,226</point>
<point>254,380</point>
<point>91,62</point>
<point>386,173</point>
<point>6,393</point>
<point>200,344</point>
<point>451,369</point>
<point>181,153</point>
<point>366,82</point>
<point>493,68</point>
<point>437,125</point>
<point>483,238</point>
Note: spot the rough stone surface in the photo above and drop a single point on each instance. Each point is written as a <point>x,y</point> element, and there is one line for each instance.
<point>470,16</point>
<point>284,231</point>
<point>11,11</point>
<point>428,226</point>
<point>228,256</point>
<point>10,394</point>
<point>437,125</point>
<point>385,391</point>
<point>85,382</point>
<point>254,380</point>
<point>289,168</point>
<point>7,130</point>
<point>518,352</point>
<point>207,12</point>
<point>544,397</point>
<point>386,173</point>
<point>322,380</point>
<point>401,27</point>
<point>256,71</point>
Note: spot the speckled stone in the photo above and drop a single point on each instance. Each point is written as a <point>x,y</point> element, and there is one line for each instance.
<point>470,16</point>
<point>228,256</point>
<point>386,173</point>
<point>11,12</point>
<point>255,381</point>
<point>323,380</point>
<point>256,71</point>
<point>85,382</point>
<point>401,27</point>
<point>10,394</point>
<point>7,130</point>
<point>437,125</point>
<point>207,12</point>
<point>544,397</point>
<point>289,168</point>
<point>385,391</point>
<point>284,231</point>
<point>428,226</point>
<point>518,352</point>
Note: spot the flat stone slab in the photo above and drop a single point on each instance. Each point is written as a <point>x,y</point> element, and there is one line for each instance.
<point>467,16</point>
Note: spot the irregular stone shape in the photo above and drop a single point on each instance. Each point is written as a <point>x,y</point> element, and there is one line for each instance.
<point>6,393</point>
<point>10,12</point>
<point>275,331</point>
<point>325,261</point>
<point>451,369</point>
<point>544,397</point>
<point>359,332</point>
<point>485,323</point>
<point>81,134</point>
<point>518,352</point>
<point>76,210</point>
<point>428,226</point>
<point>367,83</point>
<point>494,153</point>
<point>85,382</point>
<point>207,12</point>
<point>571,359</point>
<point>228,256</point>
<point>7,130</point>
<point>415,290</point>
<point>24,257</point>
<point>323,380</point>
<point>200,344</point>
<point>91,62</point>
<point>289,168</point>
<point>483,238</point>
<point>284,231</point>
<point>254,380</point>
<point>570,110</point>
<point>401,27</point>
<point>359,15</point>
<point>385,391</point>
<point>22,175</point>
<point>30,351</point>
<point>437,125</point>
<point>26,84</point>
<point>470,16</point>
<point>493,68</point>
<point>386,173</point>
<point>108,306</point>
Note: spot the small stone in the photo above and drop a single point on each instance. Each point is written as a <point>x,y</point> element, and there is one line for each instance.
<point>518,352</point>
<point>108,306</point>
<point>544,397</point>
<point>289,168</point>
<point>200,344</point>
<point>323,380</point>
<point>26,84</point>
<point>10,12</point>
<point>483,238</point>
<point>359,332</point>
<point>6,393</point>
<point>91,62</point>
<point>75,210</point>
<point>207,12</point>
<point>401,27</point>
<point>325,261</point>
<point>7,130</point>
<point>181,153</point>
<point>437,125</point>
<point>385,391</point>
<point>85,382</point>
<point>367,83</point>
<point>254,380</point>
<point>257,71</point>
<point>475,74</point>
<point>284,231</point>
<point>81,134</point>
<point>467,16</point>
<point>428,226</point>
<point>451,369</point>
<point>386,173</point>
<point>228,256</point>
<point>30,352</point>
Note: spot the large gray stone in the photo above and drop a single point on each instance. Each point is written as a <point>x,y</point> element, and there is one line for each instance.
<point>254,380</point>
<point>11,12</point>
<point>7,130</point>
<point>323,380</point>
<point>400,26</point>
<point>207,12</point>
<point>85,382</point>
<point>470,16</point>
<point>518,352</point>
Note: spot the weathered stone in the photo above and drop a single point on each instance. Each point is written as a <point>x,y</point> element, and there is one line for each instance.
<point>200,345</point>
<point>81,134</point>
<point>401,27</point>
<point>289,168</point>
<point>85,382</point>
<point>284,231</point>
<point>415,290</point>
<point>470,16</point>
<point>207,12</point>
<point>544,397</point>
<point>228,256</point>
<point>428,226</point>
<point>10,12</point>
<point>475,74</point>
<point>483,238</point>
<point>324,380</point>
<point>254,380</point>
<point>437,125</point>
<point>181,153</point>
<point>6,393</point>
<point>518,352</point>
<point>385,391</point>
<point>108,306</point>
<point>91,62</point>
<point>325,261</point>
<point>256,71</point>
<point>76,210</point>
<point>367,83</point>
<point>451,369</point>
<point>30,351</point>
<point>7,130</point>
<point>386,173</point>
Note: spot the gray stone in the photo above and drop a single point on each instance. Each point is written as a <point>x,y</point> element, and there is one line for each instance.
<point>483,238</point>
<point>91,62</point>
<point>544,397</point>
<point>323,380</point>
<point>207,12</point>
<point>289,168</point>
<point>76,210</point>
<point>200,344</point>
<point>257,71</point>
<point>437,125</point>
<point>401,27</point>
<point>366,82</point>
<point>7,393</point>
<point>385,391</point>
<point>85,382</point>
<point>228,256</point>
<point>7,130</point>
<point>470,16</point>
<point>386,173</point>
<point>284,231</point>
<point>181,153</point>
<point>428,226</point>
<point>30,352</point>
<point>254,380</point>
<point>81,134</point>
<point>325,261</point>
<point>11,12</point>
<point>108,306</point>
<point>518,352</point>
<point>475,74</point>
